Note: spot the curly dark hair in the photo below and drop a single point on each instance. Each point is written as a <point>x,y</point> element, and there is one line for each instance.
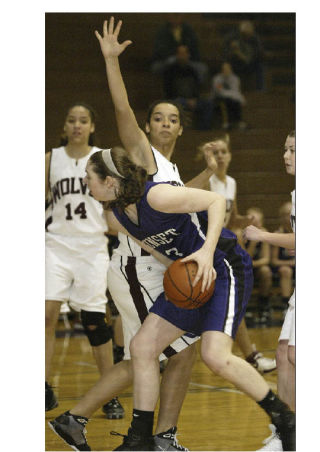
<point>131,185</point>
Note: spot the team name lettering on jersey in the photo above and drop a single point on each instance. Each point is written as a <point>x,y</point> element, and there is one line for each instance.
<point>66,186</point>
<point>162,238</point>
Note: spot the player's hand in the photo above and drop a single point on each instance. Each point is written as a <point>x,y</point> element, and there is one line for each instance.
<point>252,233</point>
<point>204,259</point>
<point>210,160</point>
<point>110,47</point>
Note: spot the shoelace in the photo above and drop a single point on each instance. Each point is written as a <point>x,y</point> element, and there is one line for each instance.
<point>177,445</point>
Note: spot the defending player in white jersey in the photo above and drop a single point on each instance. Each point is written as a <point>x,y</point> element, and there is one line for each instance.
<point>286,348</point>
<point>76,248</point>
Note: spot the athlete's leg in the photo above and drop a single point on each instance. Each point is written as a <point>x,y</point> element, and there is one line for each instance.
<point>285,273</point>
<point>118,378</point>
<point>216,352</point>
<point>52,312</point>
<point>286,373</point>
<point>154,336</point>
<point>286,358</point>
<point>174,385</point>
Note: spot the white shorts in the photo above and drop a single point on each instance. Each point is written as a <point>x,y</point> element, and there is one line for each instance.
<point>76,271</point>
<point>288,331</point>
<point>134,284</point>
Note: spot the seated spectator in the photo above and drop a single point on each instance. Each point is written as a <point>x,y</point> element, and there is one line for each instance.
<point>260,255</point>
<point>282,261</point>
<point>243,49</point>
<point>182,84</point>
<point>170,35</point>
<point>228,97</point>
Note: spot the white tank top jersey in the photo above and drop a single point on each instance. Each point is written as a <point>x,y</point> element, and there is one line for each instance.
<point>293,211</point>
<point>227,190</point>
<point>73,211</point>
<point>166,171</point>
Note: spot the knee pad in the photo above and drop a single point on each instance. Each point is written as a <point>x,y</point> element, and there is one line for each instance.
<point>95,327</point>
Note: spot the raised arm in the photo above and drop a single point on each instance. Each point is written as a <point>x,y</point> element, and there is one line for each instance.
<point>169,199</point>
<point>202,179</point>
<point>133,138</point>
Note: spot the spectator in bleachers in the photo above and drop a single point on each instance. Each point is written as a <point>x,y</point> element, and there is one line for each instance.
<point>260,254</point>
<point>282,260</point>
<point>243,49</point>
<point>182,84</point>
<point>226,92</point>
<point>170,35</point>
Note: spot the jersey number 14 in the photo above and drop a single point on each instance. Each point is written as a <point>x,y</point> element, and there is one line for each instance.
<point>80,210</point>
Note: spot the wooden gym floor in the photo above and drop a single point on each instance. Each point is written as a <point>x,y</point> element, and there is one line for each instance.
<point>215,415</point>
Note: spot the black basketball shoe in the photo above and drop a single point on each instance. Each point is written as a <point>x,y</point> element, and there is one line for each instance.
<point>71,428</point>
<point>285,423</point>
<point>133,441</point>
<point>113,409</point>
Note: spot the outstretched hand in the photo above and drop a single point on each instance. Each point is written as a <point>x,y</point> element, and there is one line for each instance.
<point>110,47</point>
<point>252,233</point>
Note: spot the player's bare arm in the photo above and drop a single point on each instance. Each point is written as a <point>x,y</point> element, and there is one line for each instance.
<point>285,240</point>
<point>133,138</point>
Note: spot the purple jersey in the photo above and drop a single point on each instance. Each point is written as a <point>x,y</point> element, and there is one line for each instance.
<point>179,235</point>
<point>173,235</point>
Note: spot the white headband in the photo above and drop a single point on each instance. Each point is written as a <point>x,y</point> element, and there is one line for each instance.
<point>106,156</point>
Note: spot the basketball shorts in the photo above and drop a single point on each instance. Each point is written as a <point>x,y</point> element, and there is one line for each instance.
<point>224,310</point>
<point>76,271</point>
<point>288,330</point>
<point>134,284</point>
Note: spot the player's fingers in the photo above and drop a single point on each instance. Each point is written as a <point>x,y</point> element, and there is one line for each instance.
<point>98,36</point>
<point>105,28</point>
<point>210,279</point>
<point>198,276</point>
<point>111,25</point>
<point>117,29</point>
<point>125,44</point>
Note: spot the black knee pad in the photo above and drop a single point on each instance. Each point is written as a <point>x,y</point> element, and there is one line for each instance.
<point>102,333</point>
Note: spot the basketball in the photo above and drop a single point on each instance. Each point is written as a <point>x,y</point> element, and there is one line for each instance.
<point>177,283</point>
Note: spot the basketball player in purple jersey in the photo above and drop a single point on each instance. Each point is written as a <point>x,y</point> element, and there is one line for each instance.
<point>170,222</point>
<point>135,278</point>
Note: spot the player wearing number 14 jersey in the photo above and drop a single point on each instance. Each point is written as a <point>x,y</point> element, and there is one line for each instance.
<point>77,257</point>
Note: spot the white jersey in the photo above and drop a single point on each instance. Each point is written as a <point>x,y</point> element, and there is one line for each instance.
<point>166,171</point>
<point>228,190</point>
<point>73,211</point>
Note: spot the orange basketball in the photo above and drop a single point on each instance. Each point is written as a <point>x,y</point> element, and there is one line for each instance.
<point>177,283</point>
